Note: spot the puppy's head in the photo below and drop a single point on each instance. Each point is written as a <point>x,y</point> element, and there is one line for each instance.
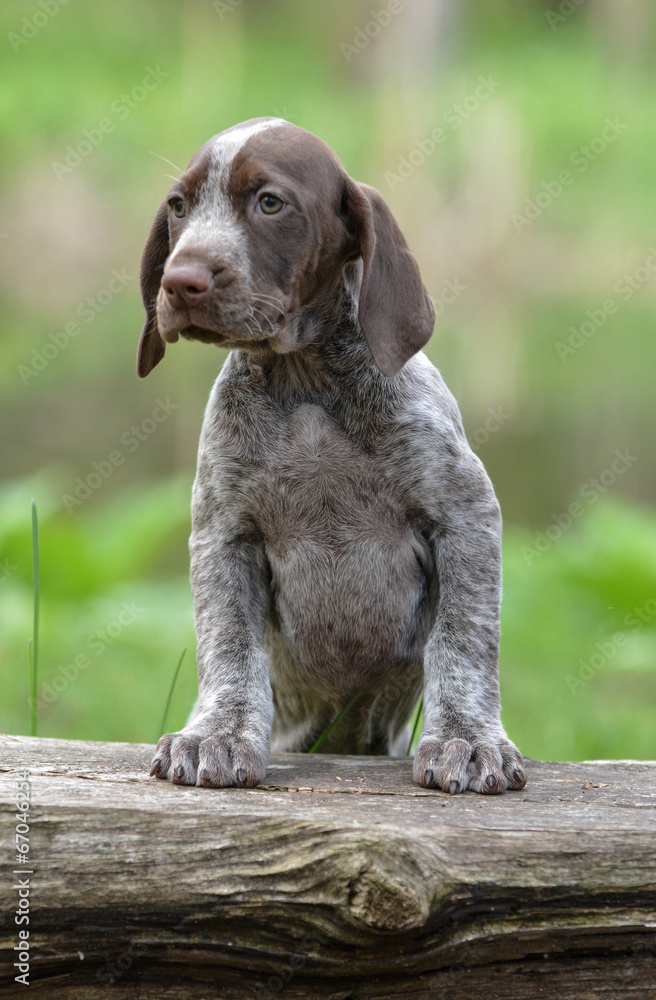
<point>260,227</point>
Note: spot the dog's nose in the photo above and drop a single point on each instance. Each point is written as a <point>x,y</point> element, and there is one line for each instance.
<point>189,282</point>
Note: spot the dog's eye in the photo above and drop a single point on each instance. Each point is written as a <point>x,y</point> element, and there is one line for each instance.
<point>270,204</point>
<point>177,207</point>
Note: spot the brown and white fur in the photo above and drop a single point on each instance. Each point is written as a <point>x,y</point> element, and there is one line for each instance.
<point>345,537</point>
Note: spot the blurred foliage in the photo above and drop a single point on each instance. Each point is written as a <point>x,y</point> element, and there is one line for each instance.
<point>544,423</point>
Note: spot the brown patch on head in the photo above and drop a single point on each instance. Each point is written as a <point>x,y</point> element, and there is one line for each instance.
<point>262,268</point>
<point>304,247</point>
<point>331,219</point>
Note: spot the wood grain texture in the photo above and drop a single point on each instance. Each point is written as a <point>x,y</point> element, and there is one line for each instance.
<point>337,879</point>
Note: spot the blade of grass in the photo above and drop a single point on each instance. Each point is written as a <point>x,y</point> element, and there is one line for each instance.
<point>168,700</point>
<point>33,643</point>
<point>415,725</point>
<point>332,725</point>
<point>30,675</point>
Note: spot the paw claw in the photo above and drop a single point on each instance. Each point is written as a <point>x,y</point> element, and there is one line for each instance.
<point>212,757</point>
<point>488,765</point>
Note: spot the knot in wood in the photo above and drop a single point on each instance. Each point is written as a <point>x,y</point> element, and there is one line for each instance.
<point>385,901</point>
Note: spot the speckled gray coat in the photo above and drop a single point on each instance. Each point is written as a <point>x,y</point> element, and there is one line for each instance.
<point>345,538</point>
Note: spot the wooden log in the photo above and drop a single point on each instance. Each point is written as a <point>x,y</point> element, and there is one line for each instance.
<point>336,879</point>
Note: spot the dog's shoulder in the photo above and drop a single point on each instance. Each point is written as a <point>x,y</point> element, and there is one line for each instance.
<point>430,438</point>
<point>426,403</point>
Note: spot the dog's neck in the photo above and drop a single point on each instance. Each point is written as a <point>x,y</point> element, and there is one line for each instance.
<point>323,351</point>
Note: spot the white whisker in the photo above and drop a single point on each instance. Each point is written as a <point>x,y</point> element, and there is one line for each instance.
<point>169,163</point>
<point>263,315</point>
<point>269,299</point>
<point>255,320</point>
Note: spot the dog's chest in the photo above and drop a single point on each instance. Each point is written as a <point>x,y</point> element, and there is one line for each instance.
<point>343,557</point>
<point>320,484</point>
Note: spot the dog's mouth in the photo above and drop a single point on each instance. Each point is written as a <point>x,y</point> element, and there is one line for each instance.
<point>253,320</point>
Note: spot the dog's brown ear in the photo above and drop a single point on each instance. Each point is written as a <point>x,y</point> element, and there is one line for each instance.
<point>151,346</point>
<point>395,312</point>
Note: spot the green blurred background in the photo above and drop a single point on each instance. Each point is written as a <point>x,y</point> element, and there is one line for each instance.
<point>516,144</point>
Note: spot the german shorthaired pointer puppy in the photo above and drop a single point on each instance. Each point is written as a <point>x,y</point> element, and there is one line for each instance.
<point>346,540</point>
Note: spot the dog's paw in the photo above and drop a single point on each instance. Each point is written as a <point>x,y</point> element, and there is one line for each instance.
<point>455,765</point>
<point>213,760</point>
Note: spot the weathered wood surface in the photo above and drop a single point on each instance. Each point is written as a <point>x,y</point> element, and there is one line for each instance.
<point>338,879</point>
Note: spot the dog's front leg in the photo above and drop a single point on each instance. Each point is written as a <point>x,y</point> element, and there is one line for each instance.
<point>464,744</point>
<point>227,740</point>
